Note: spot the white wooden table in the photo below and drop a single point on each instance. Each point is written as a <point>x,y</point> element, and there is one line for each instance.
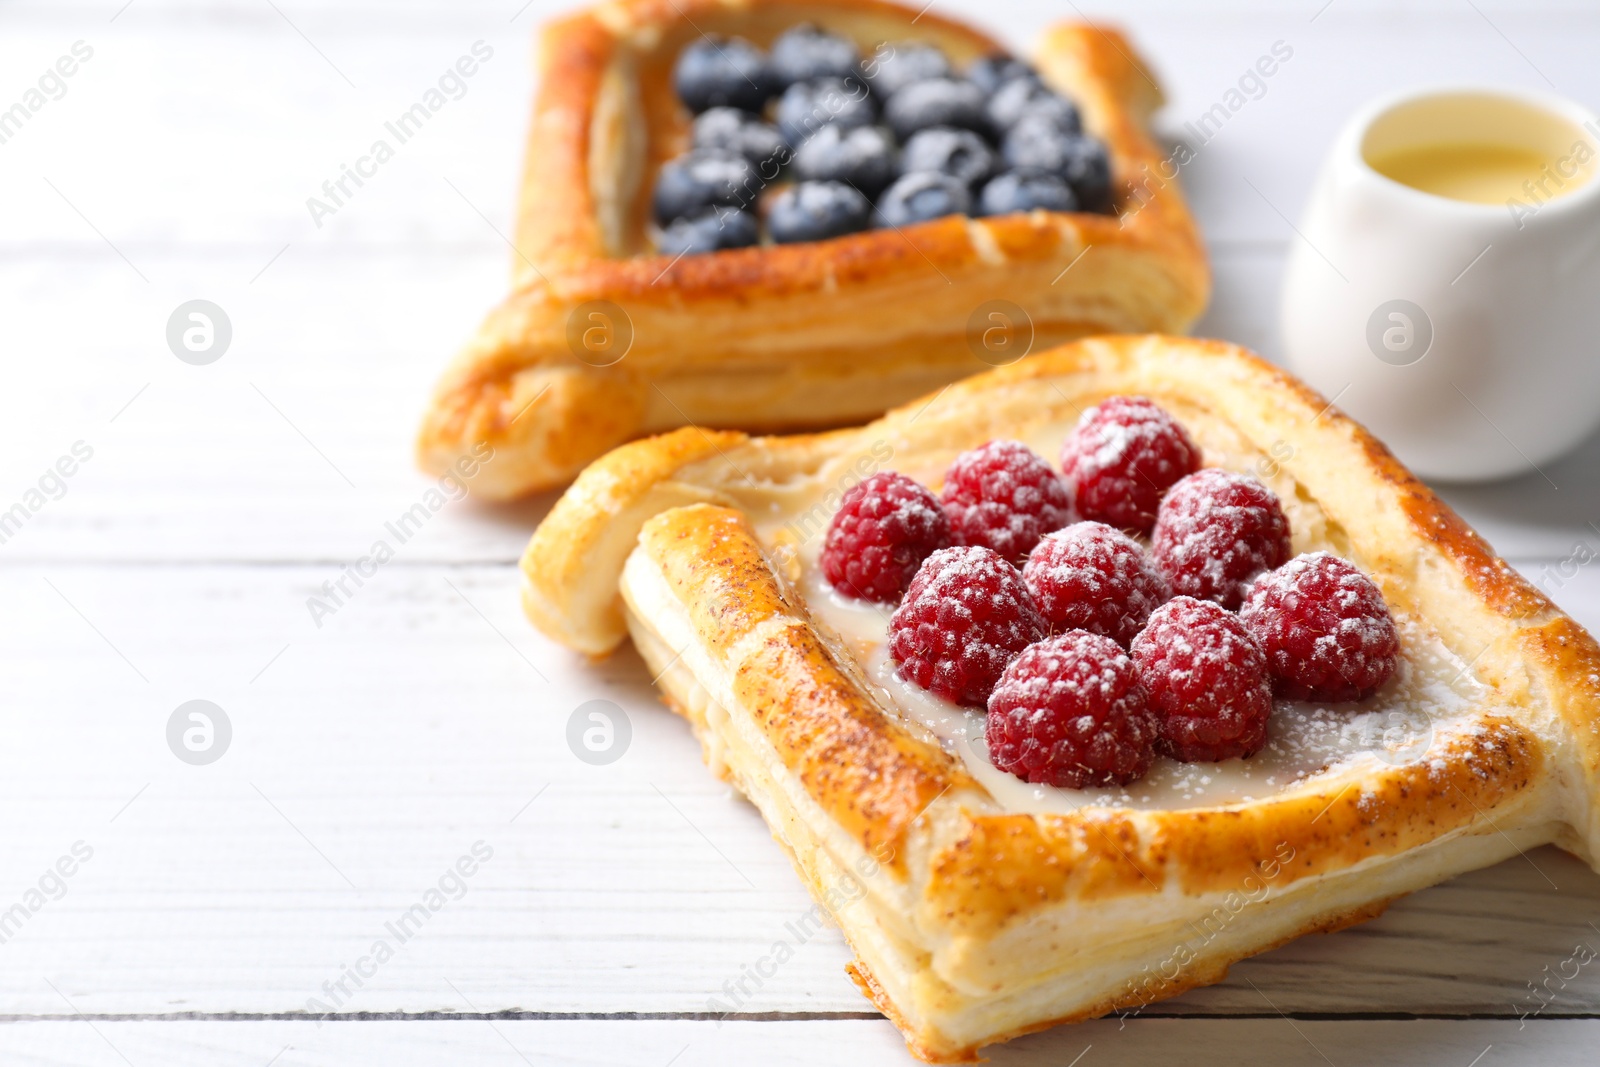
<point>220,903</point>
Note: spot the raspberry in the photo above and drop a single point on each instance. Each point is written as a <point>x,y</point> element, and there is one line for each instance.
<point>1215,531</point>
<point>1091,577</point>
<point>1207,680</point>
<point>1070,711</point>
<point>884,528</point>
<point>1327,633</point>
<point>965,616</point>
<point>1123,455</point>
<point>1004,496</point>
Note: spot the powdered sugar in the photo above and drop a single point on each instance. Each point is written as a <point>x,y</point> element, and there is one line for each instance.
<point>1427,700</point>
<point>884,528</point>
<point>1207,678</point>
<point>1094,578</point>
<point>1005,497</point>
<point>966,614</point>
<point>1070,711</point>
<point>1124,453</point>
<point>1406,721</point>
<point>1325,627</point>
<point>1215,531</point>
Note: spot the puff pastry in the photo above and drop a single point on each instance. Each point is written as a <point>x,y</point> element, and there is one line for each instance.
<point>786,337</point>
<point>983,908</point>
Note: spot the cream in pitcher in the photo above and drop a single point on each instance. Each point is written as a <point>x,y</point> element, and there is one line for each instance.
<point>1447,291</point>
<point>1483,173</point>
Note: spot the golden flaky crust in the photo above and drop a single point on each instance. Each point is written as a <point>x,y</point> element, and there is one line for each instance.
<point>980,923</point>
<point>778,337</point>
<point>836,740</point>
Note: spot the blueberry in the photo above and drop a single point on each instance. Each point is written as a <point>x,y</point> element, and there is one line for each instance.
<point>935,102</point>
<point>815,211</point>
<point>1020,97</point>
<point>961,154</point>
<point>723,72</point>
<point>1025,190</point>
<point>710,231</point>
<point>895,66</point>
<point>862,157</point>
<point>690,184</point>
<point>922,196</point>
<point>729,130</point>
<point>1088,171</point>
<point>807,52</point>
<point>1036,143</point>
<point>806,107</point>
<point>1056,109</point>
<point>990,72</point>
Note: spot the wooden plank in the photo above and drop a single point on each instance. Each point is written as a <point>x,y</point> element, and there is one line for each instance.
<point>193,129</point>
<point>296,444</point>
<point>1266,1042</point>
<point>369,755</point>
<point>208,174</point>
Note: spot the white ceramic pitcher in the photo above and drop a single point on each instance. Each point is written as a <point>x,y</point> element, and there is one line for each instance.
<point>1465,335</point>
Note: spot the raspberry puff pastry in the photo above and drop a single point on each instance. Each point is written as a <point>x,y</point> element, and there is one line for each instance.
<point>605,337</point>
<point>980,907</point>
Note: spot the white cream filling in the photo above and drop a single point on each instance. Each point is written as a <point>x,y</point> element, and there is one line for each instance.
<point>1432,695</point>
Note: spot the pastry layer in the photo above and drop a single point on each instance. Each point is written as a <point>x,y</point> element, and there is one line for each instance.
<point>792,336</point>
<point>978,922</point>
<point>1073,962</point>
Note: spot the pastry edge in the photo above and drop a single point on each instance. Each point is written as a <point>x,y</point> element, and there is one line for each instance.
<point>1535,778</point>
<point>941,1011</point>
<point>519,389</point>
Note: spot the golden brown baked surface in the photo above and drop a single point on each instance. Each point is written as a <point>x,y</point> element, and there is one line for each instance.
<point>978,922</point>
<point>601,339</point>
